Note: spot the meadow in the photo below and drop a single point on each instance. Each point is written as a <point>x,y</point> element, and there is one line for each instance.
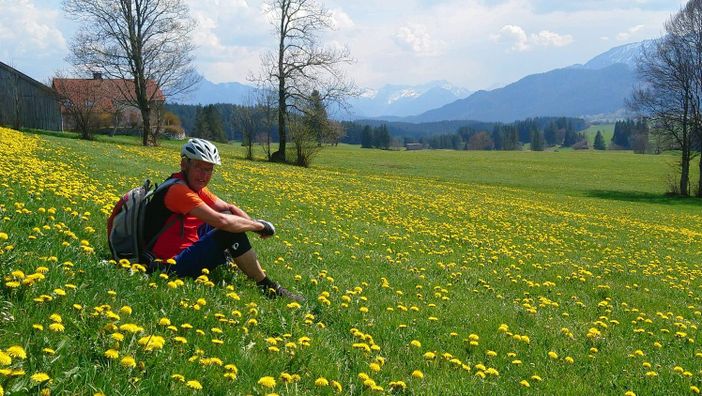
<point>425,273</point>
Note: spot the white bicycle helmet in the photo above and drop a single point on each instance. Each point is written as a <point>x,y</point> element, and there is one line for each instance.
<point>201,149</point>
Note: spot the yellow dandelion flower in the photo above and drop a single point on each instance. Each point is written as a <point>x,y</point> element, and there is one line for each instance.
<point>524,383</point>
<point>429,355</point>
<point>417,374</point>
<point>694,389</point>
<point>128,362</point>
<point>192,384</point>
<point>629,393</point>
<point>49,351</point>
<point>374,367</point>
<point>126,310</point>
<point>111,354</point>
<point>55,318</point>
<point>131,328</point>
<point>267,382</point>
<point>553,355</point>
<point>40,377</point>
<point>17,352</point>
<point>5,359</point>
<point>119,337</point>
<point>569,360</point>
<point>321,381</point>
<point>178,377</point>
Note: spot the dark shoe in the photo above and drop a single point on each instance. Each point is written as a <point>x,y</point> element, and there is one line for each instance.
<point>277,290</point>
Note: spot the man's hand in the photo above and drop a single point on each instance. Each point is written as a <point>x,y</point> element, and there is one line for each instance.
<point>268,228</point>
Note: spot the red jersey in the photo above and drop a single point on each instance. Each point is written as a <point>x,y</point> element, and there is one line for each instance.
<point>180,200</point>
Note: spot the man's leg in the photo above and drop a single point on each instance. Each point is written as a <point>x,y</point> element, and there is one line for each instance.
<point>249,264</point>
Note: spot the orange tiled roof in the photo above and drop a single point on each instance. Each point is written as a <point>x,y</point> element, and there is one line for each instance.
<point>106,93</point>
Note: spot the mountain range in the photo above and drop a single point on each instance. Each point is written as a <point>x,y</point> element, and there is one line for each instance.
<point>596,89</point>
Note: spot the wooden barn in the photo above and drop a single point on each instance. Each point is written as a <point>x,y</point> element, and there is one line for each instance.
<point>27,103</point>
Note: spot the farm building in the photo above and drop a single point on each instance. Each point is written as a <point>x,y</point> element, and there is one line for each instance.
<point>106,101</point>
<point>25,102</point>
<point>414,146</point>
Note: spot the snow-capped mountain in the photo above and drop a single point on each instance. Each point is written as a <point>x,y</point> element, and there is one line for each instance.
<point>598,88</point>
<point>208,92</point>
<point>626,54</point>
<point>404,100</point>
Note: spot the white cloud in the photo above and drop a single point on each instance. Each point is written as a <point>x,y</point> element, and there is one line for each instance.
<point>341,20</point>
<point>551,39</point>
<point>26,30</point>
<point>522,42</point>
<point>625,36</point>
<point>417,39</point>
<point>515,34</point>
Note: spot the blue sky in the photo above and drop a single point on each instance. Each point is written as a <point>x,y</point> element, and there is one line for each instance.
<point>475,44</point>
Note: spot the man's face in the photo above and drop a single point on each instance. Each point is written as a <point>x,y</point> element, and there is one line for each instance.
<point>198,173</point>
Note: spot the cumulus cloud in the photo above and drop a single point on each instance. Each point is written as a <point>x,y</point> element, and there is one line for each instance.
<point>416,38</point>
<point>624,36</point>
<point>341,20</point>
<point>26,30</point>
<point>521,41</point>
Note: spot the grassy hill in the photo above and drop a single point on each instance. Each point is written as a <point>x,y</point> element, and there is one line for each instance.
<point>432,272</point>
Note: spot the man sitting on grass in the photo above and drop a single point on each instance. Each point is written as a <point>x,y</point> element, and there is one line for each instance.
<point>199,230</point>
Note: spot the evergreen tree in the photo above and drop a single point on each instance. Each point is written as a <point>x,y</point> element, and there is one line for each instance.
<point>214,122</point>
<point>599,142</point>
<point>316,117</point>
<point>202,128</point>
<point>550,134</point>
<point>570,137</point>
<point>537,140</point>
<point>367,137</point>
<point>382,137</point>
<point>497,139</point>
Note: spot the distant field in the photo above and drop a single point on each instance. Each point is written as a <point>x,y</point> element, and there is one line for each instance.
<point>426,273</point>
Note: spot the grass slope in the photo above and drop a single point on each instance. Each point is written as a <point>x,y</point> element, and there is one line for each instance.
<point>426,273</point>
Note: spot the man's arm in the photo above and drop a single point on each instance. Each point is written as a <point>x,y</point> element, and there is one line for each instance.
<point>226,222</point>
<point>221,206</point>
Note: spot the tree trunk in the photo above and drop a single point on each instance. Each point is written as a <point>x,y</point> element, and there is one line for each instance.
<point>146,122</point>
<point>685,172</point>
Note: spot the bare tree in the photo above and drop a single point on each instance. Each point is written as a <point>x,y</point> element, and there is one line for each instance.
<point>300,65</point>
<point>666,95</point>
<point>245,119</point>
<point>687,27</point>
<point>265,102</point>
<point>83,101</point>
<point>144,41</point>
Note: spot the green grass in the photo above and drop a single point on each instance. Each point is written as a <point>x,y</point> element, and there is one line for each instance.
<point>438,246</point>
<point>606,129</point>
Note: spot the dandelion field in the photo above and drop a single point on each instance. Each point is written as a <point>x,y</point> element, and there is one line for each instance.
<point>425,273</point>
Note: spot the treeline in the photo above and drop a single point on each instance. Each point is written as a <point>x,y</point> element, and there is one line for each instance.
<point>631,135</point>
<point>378,137</point>
<point>204,121</point>
<point>539,132</point>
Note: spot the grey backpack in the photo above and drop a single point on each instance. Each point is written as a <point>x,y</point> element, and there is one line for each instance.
<point>125,226</point>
